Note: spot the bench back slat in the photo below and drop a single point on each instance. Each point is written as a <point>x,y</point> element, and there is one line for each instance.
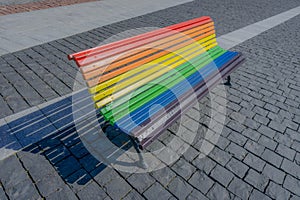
<point>119,60</point>
<point>81,57</point>
<point>111,94</point>
<point>119,108</point>
<point>122,73</point>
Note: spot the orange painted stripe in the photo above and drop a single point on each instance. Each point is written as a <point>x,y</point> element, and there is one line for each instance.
<point>101,49</point>
<point>96,56</point>
<point>101,67</point>
<point>122,70</point>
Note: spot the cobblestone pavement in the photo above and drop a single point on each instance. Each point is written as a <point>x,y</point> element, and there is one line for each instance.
<point>256,157</point>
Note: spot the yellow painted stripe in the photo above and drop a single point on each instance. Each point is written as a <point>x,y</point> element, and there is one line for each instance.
<point>172,63</point>
<point>165,60</point>
<point>143,81</point>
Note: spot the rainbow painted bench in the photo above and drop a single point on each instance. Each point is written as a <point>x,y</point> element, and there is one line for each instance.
<point>129,78</point>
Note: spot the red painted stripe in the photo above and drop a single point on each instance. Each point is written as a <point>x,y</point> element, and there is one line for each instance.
<point>92,55</point>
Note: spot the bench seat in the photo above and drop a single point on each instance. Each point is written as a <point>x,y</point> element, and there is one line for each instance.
<point>145,83</point>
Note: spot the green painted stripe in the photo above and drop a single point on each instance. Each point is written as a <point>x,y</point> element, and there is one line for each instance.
<point>158,80</point>
<point>160,85</point>
<point>153,91</point>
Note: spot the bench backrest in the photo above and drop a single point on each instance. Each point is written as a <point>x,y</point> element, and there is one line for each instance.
<point>128,69</point>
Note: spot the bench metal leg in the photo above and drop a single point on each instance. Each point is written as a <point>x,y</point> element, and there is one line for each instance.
<point>228,81</point>
<point>142,162</point>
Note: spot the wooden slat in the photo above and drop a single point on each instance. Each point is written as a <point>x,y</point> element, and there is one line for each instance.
<point>164,60</point>
<point>139,83</point>
<point>148,59</point>
<point>111,63</point>
<point>139,97</point>
<point>80,56</point>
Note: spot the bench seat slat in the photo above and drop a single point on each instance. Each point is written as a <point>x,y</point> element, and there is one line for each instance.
<point>146,133</point>
<point>160,86</point>
<point>142,114</point>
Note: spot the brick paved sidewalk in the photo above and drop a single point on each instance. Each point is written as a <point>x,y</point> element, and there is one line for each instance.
<point>37,5</point>
<point>256,157</point>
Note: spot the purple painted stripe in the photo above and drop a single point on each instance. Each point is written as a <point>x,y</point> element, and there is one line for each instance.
<point>201,91</point>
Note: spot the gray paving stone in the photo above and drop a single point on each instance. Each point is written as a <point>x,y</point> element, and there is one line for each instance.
<point>250,123</point>
<point>297,158</point>
<point>65,193</point>
<point>286,152</point>
<point>196,195</point>
<point>156,191</point>
<point>104,176</point>
<point>164,175</point>
<point>117,188</point>
<point>271,107</point>
<point>92,191</point>
<point>258,195</point>
<point>89,162</point>
<point>38,167</point>
<point>237,138</point>
<point>141,182</point>
<point>49,184</point>
<point>204,164</point>
<point>277,126</point>
<point>12,172</point>
<point>259,181</point>
<point>57,154</point>
<point>252,134</point>
<point>67,166</point>
<point>183,168</point>
<point>296,146</point>
<point>272,157</point>
<point>294,197</point>
<point>222,175</point>
<point>266,131</point>
<point>133,195</point>
<point>2,194</point>
<point>219,192</point>
<point>283,139</point>
<point>201,181</point>
<point>267,142</point>
<point>291,168</point>
<point>255,162</point>
<point>292,184</point>
<point>277,192</point>
<point>258,109</point>
<point>78,180</point>
<point>237,167</point>
<point>290,124</point>
<point>236,126</point>
<point>219,156</point>
<point>190,154</point>
<point>254,147</point>
<point>293,134</point>
<point>237,151</point>
<point>180,188</point>
<point>274,174</point>
<point>23,190</point>
<point>261,119</point>
<point>240,188</point>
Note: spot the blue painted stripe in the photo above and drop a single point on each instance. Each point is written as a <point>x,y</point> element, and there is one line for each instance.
<point>132,120</point>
